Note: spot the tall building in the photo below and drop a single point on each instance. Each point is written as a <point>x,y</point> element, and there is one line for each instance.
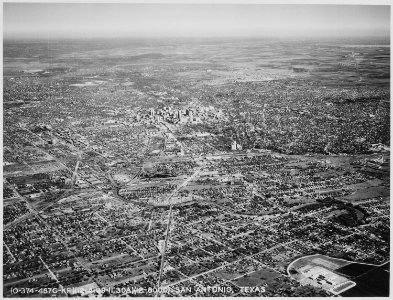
<point>234,145</point>
<point>264,124</point>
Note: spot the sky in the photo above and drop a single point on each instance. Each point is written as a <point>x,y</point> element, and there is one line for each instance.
<point>84,20</point>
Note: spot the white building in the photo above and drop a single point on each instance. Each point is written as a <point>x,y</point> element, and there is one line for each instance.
<point>234,145</point>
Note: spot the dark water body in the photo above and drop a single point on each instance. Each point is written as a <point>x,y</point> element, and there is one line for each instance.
<point>371,281</point>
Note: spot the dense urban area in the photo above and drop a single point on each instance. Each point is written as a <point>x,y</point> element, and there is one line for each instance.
<point>196,168</point>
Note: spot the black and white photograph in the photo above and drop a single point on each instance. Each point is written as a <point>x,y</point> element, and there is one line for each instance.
<point>196,149</point>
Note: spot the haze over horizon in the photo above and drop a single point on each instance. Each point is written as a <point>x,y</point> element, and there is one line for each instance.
<point>103,20</point>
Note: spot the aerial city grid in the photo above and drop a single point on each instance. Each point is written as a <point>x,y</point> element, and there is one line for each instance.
<point>195,166</point>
